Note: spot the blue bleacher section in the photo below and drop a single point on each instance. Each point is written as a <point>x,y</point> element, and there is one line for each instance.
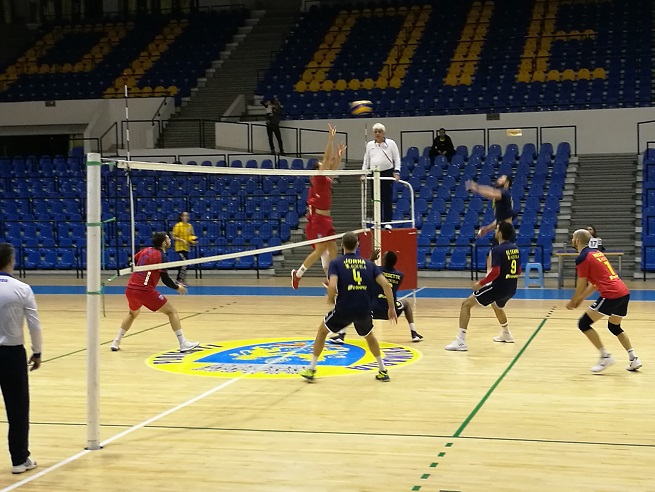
<point>454,57</point>
<point>648,212</point>
<point>448,216</point>
<point>43,211</point>
<point>150,55</point>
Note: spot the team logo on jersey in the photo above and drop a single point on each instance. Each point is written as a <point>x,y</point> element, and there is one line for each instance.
<point>279,358</point>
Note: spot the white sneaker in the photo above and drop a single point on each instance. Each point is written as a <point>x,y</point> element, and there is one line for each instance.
<point>28,465</point>
<point>504,337</point>
<point>603,363</point>
<point>115,346</point>
<point>457,346</point>
<point>187,346</point>
<point>634,364</point>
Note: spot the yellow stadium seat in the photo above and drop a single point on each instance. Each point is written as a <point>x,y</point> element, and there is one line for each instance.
<point>599,73</point>
<point>589,34</point>
<point>584,74</point>
<point>575,35</point>
<point>135,92</point>
<point>307,76</point>
<point>314,86</point>
<point>523,77</point>
<point>368,84</point>
<point>327,85</point>
<point>301,86</point>
<point>381,83</point>
<point>395,82</point>
<point>354,84</point>
<point>568,74</point>
<point>451,80</point>
<point>110,93</point>
<point>45,68</point>
<point>67,68</point>
<point>172,90</point>
<point>541,64</point>
<point>465,79</point>
<point>553,76</point>
<point>400,71</point>
<point>160,91</point>
<point>147,92</point>
<point>539,76</point>
<point>468,69</point>
<point>341,85</point>
<point>526,65</point>
<point>391,11</point>
<point>320,75</point>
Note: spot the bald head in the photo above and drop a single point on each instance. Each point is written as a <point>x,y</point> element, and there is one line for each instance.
<point>581,239</point>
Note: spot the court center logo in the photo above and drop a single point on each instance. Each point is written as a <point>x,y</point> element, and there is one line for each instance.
<point>279,358</point>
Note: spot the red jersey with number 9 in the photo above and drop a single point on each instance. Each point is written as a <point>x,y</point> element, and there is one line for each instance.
<point>147,280</point>
<point>594,266</point>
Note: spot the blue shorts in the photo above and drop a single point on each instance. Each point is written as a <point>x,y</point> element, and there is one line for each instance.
<point>488,294</point>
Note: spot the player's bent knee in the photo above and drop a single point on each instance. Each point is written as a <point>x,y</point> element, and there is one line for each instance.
<point>585,322</point>
<point>615,330</point>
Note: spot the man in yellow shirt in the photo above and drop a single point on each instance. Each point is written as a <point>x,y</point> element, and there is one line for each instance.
<point>184,237</point>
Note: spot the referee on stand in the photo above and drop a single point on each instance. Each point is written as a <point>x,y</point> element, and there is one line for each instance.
<point>17,303</point>
<point>382,154</point>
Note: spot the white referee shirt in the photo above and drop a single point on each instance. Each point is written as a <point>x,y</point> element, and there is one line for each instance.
<point>17,303</point>
<point>382,156</point>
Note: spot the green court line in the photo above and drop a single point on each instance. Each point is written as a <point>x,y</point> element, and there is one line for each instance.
<point>468,419</point>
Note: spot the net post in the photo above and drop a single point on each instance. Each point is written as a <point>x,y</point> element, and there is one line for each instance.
<point>93,291</point>
<point>377,217</point>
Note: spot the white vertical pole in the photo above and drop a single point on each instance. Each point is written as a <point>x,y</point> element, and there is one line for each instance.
<point>377,215</point>
<point>93,293</point>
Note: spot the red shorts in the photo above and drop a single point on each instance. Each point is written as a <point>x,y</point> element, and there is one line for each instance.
<point>319,226</point>
<point>151,299</point>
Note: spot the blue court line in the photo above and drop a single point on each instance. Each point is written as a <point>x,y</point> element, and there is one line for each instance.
<point>255,291</point>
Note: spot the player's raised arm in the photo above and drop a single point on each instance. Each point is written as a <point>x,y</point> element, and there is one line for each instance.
<point>484,190</point>
<point>329,148</point>
<point>335,162</point>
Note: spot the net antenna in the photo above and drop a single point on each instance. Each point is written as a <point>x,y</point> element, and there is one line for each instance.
<point>93,263</point>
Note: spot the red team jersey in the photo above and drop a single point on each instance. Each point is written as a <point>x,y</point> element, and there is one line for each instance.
<point>593,265</point>
<point>146,280</point>
<point>320,193</point>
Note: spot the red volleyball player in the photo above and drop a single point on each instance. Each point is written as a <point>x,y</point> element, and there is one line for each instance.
<point>319,220</point>
<point>595,273</point>
<point>141,291</point>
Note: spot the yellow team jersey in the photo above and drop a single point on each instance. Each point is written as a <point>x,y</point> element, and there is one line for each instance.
<point>182,231</point>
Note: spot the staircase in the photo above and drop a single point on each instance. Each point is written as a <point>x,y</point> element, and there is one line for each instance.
<point>346,216</point>
<point>605,197</point>
<point>231,77</point>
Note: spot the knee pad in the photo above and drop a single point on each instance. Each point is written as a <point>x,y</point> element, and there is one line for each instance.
<point>615,330</point>
<point>584,323</point>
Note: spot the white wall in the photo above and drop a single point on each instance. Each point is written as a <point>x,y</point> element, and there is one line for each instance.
<point>89,116</point>
<point>598,131</point>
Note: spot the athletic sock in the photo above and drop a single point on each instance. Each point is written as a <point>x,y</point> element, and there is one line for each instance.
<point>412,327</point>
<point>301,270</point>
<point>121,334</point>
<point>312,364</point>
<point>604,353</point>
<point>180,336</point>
<point>461,334</point>
<point>631,354</point>
<point>505,327</point>
<point>380,363</point>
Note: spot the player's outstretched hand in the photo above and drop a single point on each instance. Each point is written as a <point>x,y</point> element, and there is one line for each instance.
<point>471,186</point>
<point>181,289</point>
<point>393,317</point>
<point>341,149</point>
<point>333,130</point>
<point>375,254</point>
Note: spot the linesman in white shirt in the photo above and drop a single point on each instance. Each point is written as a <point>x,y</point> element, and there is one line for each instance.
<point>17,304</point>
<point>382,153</point>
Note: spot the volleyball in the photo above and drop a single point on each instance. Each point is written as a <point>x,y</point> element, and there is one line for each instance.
<point>358,108</point>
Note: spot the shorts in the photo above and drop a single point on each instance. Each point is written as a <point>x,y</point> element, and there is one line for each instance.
<point>488,294</point>
<point>612,307</point>
<point>336,322</point>
<point>380,312</point>
<point>151,299</point>
<point>318,226</point>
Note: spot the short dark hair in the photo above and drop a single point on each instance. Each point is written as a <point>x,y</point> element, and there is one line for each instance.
<point>506,230</point>
<point>390,258</point>
<point>158,239</point>
<point>7,255</point>
<point>509,181</point>
<point>179,217</point>
<point>349,241</point>
<point>594,228</point>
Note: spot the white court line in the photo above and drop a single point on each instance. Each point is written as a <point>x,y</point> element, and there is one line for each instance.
<point>119,435</point>
<point>144,423</point>
<point>410,294</point>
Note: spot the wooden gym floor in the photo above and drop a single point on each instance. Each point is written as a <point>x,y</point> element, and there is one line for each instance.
<point>528,416</point>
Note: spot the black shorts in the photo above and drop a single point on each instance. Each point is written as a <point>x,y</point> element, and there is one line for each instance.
<point>336,322</point>
<point>380,312</point>
<point>612,307</point>
<point>488,294</point>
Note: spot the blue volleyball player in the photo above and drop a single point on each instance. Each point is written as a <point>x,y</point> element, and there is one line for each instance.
<point>351,282</point>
